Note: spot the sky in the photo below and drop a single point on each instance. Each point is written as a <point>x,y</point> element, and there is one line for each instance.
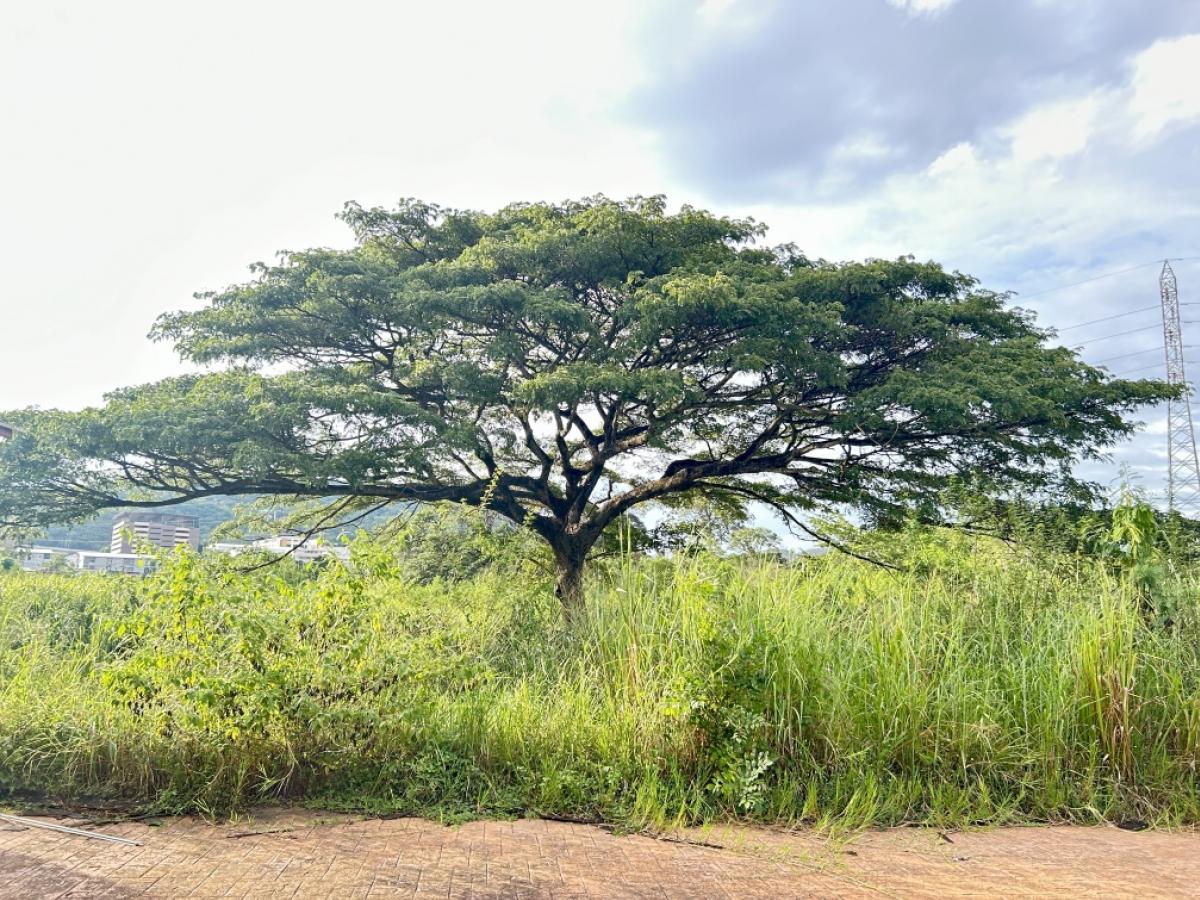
<point>151,150</point>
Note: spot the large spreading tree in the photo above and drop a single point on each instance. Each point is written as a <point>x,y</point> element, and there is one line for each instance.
<point>560,365</point>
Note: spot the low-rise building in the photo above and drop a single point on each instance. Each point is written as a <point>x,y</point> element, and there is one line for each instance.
<point>44,559</point>
<point>298,547</point>
<point>301,549</point>
<point>6,432</point>
<point>230,548</point>
<point>125,563</point>
<point>38,559</point>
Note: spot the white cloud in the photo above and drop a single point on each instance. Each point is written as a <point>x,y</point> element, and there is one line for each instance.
<point>1054,130</point>
<point>923,7</point>
<point>863,146</point>
<point>160,152</point>
<point>1166,85</point>
<point>1031,186</point>
<point>959,158</point>
<point>714,11</point>
<point>1071,188</point>
<point>721,17</point>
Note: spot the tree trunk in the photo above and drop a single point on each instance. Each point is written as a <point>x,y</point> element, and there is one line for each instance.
<point>568,584</point>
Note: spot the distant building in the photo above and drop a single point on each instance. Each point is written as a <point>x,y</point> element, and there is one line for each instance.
<point>301,549</point>
<point>6,432</point>
<point>135,530</point>
<point>126,563</point>
<point>36,559</point>
<point>230,548</point>
<point>41,559</point>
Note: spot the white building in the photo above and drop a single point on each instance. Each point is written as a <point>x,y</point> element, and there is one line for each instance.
<point>301,549</point>
<point>39,559</point>
<point>126,563</point>
<point>230,548</point>
<point>35,559</point>
<point>134,530</point>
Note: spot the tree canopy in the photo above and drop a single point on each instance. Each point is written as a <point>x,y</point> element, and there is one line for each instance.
<point>560,364</point>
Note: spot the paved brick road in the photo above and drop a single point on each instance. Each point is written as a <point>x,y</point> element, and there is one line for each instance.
<point>301,854</point>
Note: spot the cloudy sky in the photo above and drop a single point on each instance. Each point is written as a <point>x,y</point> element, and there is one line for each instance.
<point>151,150</point>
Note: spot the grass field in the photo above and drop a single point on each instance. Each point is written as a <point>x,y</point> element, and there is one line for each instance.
<point>981,684</point>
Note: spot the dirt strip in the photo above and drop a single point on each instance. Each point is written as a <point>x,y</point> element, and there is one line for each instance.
<point>299,853</point>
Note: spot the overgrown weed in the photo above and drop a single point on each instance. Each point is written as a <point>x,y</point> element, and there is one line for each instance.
<point>980,684</point>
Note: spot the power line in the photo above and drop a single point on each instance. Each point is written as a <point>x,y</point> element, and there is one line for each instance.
<point>1108,318</point>
<point>1131,312</point>
<point>1117,334</point>
<point>1135,371</point>
<point>1063,287</point>
<point>1109,359</point>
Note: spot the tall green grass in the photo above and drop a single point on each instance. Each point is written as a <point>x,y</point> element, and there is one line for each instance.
<point>979,684</point>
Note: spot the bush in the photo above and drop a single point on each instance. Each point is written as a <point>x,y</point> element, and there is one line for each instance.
<point>980,684</point>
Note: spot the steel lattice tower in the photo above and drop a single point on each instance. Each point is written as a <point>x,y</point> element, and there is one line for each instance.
<point>1183,465</point>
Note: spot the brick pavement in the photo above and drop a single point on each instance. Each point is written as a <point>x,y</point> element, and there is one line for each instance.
<point>282,853</point>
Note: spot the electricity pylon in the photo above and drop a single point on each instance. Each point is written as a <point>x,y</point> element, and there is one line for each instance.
<point>1183,466</point>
